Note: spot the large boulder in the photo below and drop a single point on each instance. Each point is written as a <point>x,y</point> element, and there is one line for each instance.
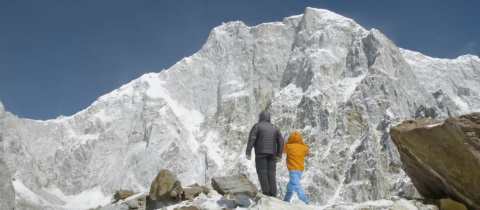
<point>442,157</point>
<point>235,184</point>
<point>165,187</point>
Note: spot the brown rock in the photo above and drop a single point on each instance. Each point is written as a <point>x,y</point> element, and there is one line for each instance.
<point>206,190</point>
<point>449,204</point>
<point>165,187</point>
<point>442,157</point>
<point>122,194</point>
<point>191,192</point>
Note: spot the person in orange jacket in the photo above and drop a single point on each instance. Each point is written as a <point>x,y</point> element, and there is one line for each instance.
<point>296,151</point>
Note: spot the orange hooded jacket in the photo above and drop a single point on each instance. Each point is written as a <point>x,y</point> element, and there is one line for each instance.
<point>296,151</point>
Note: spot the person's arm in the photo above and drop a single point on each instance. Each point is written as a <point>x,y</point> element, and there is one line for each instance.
<point>279,144</point>
<point>252,137</point>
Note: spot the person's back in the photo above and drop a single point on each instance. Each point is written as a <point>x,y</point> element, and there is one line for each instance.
<point>296,151</point>
<point>268,143</point>
<point>265,137</point>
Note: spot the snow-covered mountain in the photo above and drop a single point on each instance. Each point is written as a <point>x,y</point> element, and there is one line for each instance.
<point>319,73</point>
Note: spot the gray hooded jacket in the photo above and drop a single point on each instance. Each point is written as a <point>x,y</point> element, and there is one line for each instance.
<point>265,137</point>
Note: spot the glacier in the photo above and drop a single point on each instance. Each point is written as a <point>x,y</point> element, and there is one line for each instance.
<point>342,86</point>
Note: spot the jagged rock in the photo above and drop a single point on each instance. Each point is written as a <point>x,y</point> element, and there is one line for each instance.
<point>442,157</point>
<point>236,184</point>
<point>122,194</point>
<point>165,187</point>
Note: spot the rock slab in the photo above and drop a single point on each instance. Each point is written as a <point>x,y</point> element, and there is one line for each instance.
<point>442,157</point>
<point>235,184</point>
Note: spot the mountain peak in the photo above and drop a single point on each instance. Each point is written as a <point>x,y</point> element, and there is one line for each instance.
<point>318,73</point>
<point>324,14</point>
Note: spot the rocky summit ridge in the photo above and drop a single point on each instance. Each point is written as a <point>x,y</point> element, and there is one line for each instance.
<point>342,86</point>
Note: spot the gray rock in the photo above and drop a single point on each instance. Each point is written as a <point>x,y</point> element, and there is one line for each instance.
<point>115,207</point>
<point>267,202</point>
<point>227,203</point>
<point>133,204</point>
<point>235,184</point>
<point>244,200</point>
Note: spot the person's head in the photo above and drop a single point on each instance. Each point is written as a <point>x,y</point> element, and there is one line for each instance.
<point>264,116</point>
<point>295,137</point>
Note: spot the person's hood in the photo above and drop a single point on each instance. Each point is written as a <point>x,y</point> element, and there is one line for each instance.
<point>295,137</point>
<point>264,116</point>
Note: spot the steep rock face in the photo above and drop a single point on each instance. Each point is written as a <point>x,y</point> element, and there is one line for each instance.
<point>121,141</point>
<point>453,83</point>
<point>7,193</point>
<point>319,73</point>
<point>442,158</point>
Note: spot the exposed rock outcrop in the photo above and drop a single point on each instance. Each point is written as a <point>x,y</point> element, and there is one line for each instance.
<point>442,157</point>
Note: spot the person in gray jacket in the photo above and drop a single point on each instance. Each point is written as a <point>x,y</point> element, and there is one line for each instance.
<point>267,140</point>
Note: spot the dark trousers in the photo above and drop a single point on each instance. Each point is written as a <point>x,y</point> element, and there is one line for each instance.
<point>266,167</point>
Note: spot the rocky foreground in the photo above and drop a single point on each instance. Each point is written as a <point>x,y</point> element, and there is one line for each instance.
<point>232,192</point>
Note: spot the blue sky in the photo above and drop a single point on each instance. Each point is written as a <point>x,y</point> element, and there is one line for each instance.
<point>59,56</point>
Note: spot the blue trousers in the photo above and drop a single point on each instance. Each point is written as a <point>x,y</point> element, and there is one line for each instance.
<point>294,185</point>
